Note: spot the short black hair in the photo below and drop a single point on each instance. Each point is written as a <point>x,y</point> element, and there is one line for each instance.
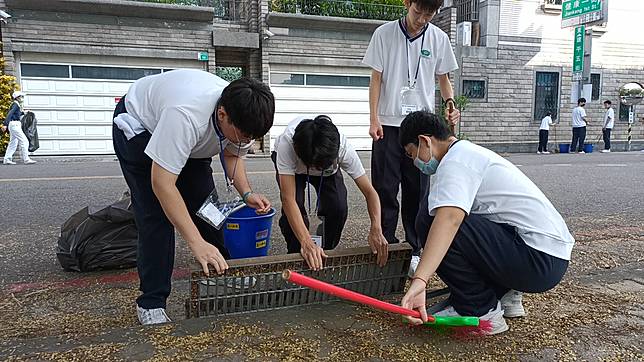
<point>317,142</point>
<point>608,102</point>
<point>548,114</point>
<point>250,104</point>
<point>427,5</point>
<point>422,123</point>
<point>581,100</point>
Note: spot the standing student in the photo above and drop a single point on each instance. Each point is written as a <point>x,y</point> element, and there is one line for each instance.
<point>311,152</point>
<point>406,57</point>
<point>544,129</point>
<point>609,122</point>
<point>578,126</point>
<point>166,130</point>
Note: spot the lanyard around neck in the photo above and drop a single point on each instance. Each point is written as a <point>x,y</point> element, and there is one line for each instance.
<point>220,135</point>
<point>407,41</point>
<point>308,188</point>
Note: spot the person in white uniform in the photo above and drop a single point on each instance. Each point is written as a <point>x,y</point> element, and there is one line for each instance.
<point>166,130</point>
<point>406,56</point>
<point>493,233</point>
<point>312,152</point>
<point>609,123</point>
<point>544,129</point>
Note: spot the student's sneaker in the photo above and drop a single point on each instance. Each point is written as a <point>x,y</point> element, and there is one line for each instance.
<point>494,316</point>
<point>580,152</point>
<point>30,162</point>
<point>512,304</point>
<point>413,265</point>
<point>152,316</point>
<point>8,162</point>
<point>605,151</point>
<point>538,152</point>
<point>545,152</point>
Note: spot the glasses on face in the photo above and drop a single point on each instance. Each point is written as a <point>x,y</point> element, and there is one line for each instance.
<point>243,139</point>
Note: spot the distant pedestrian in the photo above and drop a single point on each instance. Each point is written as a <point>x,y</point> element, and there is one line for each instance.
<point>578,126</point>
<point>609,122</point>
<point>13,122</point>
<point>546,122</point>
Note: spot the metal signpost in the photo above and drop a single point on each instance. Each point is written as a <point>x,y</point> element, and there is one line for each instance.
<point>579,13</point>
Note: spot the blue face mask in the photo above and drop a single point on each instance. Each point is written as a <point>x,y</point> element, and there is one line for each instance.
<point>428,168</point>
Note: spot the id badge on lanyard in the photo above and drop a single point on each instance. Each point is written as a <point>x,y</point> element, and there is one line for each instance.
<point>410,100</point>
<point>215,210</point>
<point>410,96</point>
<point>316,222</point>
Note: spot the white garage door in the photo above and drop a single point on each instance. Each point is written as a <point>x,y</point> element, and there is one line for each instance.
<point>74,104</point>
<point>344,98</point>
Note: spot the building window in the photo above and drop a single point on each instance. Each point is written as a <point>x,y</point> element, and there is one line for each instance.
<point>320,80</point>
<point>44,70</point>
<point>474,89</point>
<point>89,72</point>
<point>289,79</point>
<point>546,94</point>
<point>623,112</point>
<point>467,10</point>
<point>595,79</point>
<point>337,80</point>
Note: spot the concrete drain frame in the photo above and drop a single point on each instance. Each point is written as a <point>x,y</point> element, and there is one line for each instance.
<point>256,284</point>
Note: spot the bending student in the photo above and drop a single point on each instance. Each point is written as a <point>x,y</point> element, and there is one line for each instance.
<point>311,152</point>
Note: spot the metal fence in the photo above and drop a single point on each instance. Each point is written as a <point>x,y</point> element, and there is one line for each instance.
<point>224,9</point>
<point>231,9</point>
<point>343,9</point>
<point>256,284</point>
<point>467,10</point>
<point>181,2</point>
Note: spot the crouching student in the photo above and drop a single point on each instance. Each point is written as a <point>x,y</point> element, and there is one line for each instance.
<point>311,152</point>
<point>492,233</point>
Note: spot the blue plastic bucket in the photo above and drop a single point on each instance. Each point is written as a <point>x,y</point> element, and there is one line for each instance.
<point>247,234</point>
<point>564,148</point>
<point>588,147</point>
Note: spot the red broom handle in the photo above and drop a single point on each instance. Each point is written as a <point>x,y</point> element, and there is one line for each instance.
<point>320,286</point>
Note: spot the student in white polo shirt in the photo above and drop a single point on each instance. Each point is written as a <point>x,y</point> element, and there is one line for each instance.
<point>493,233</point>
<point>166,130</point>
<point>406,57</point>
<point>609,123</point>
<point>311,152</point>
<point>579,121</point>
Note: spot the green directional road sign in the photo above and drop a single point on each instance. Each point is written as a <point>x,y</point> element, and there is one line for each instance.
<point>578,53</point>
<point>579,12</point>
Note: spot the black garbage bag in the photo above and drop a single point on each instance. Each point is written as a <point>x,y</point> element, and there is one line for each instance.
<point>99,238</point>
<point>29,127</point>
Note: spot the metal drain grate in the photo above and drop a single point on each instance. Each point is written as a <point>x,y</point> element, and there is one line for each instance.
<point>256,284</point>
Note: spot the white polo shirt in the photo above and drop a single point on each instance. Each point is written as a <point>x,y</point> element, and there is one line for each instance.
<point>176,107</point>
<point>545,123</point>
<point>480,182</point>
<point>578,115</point>
<point>387,53</point>
<point>609,118</point>
<point>289,164</point>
